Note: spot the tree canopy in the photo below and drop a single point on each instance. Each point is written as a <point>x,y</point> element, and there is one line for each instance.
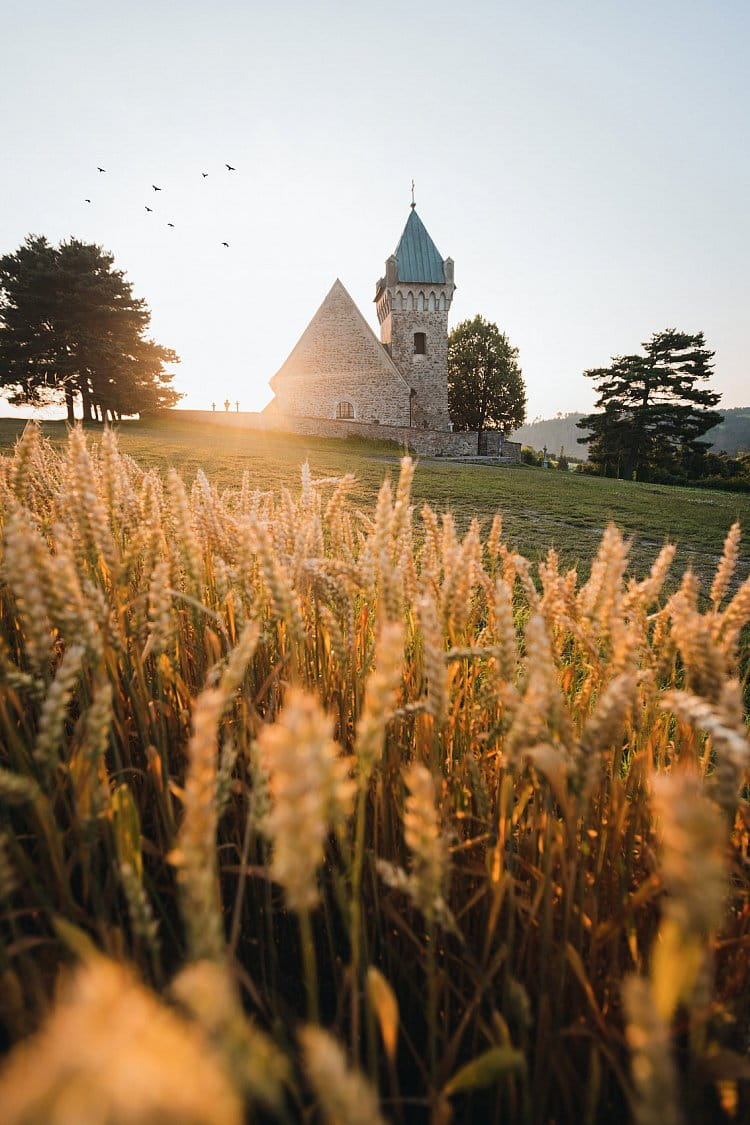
<point>653,408</point>
<point>71,329</point>
<point>485,384</point>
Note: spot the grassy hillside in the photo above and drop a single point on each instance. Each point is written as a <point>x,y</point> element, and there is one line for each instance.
<point>540,509</point>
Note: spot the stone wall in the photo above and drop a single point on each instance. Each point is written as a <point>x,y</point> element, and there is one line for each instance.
<point>430,443</point>
<point>427,442</point>
<point>373,398</point>
<point>427,373</point>
<point>338,358</point>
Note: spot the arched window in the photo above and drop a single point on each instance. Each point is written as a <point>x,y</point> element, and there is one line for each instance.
<point>420,303</point>
<point>442,302</point>
<point>420,343</point>
<point>431,303</point>
<point>344,410</point>
<point>409,302</point>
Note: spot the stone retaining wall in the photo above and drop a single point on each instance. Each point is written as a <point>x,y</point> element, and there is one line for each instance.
<point>430,443</point>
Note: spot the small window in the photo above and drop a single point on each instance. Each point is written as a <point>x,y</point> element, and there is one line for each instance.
<point>420,343</point>
<point>344,410</point>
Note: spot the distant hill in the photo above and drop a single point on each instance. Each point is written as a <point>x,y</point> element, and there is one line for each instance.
<point>732,436</point>
<point>554,432</point>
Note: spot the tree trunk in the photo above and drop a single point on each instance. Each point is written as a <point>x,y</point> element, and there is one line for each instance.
<point>86,403</point>
<point>70,405</point>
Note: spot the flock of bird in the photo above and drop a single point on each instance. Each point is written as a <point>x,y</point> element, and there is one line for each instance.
<point>229,168</point>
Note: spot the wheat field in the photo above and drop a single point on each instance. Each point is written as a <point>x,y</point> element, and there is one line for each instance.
<point>313,813</point>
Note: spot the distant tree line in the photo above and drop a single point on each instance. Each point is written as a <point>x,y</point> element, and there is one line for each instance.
<point>732,436</point>
<point>553,432</point>
<point>72,332</point>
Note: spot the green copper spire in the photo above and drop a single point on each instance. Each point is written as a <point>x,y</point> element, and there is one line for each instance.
<point>417,256</point>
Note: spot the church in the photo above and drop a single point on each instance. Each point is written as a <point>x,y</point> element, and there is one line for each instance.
<point>340,379</point>
<point>339,369</point>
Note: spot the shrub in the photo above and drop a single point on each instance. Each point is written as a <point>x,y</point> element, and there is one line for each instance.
<point>530,456</point>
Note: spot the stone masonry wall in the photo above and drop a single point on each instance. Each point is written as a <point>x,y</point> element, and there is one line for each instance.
<point>338,358</point>
<point>428,373</point>
<point>429,443</point>
<point>375,398</point>
<point>426,442</point>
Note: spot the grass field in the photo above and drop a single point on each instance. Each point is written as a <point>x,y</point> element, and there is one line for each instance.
<point>540,509</point>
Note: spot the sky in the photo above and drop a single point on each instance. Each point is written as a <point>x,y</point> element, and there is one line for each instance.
<point>586,165</point>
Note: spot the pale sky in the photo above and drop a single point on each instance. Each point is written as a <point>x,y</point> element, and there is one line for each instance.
<point>586,165</point>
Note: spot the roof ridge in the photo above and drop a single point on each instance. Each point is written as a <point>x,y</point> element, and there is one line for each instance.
<point>378,350</point>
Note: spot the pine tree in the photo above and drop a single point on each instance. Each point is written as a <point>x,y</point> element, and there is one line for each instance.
<point>654,407</point>
<point>70,328</point>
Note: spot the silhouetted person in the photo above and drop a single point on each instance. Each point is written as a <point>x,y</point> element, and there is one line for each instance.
<point>213,406</point>
<point>237,406</point>
<point>227,404</point>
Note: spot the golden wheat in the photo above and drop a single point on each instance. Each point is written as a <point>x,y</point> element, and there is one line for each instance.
<point>286,747</point>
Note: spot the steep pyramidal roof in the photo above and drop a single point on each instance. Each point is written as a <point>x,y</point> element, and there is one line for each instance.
<point>338,340</point>
<point>417,257</point>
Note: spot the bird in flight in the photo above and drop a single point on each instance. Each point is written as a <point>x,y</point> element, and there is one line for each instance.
<point>170,224</point>
<point>225,244</point>
<point>155,187</point>
<point>229,168</point>
<point>87,201</point>
<point>149,208</point>
<point>100,169</point>
<point>204,174</point>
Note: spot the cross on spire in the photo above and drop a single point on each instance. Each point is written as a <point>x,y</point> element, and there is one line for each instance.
<point>413,204</point>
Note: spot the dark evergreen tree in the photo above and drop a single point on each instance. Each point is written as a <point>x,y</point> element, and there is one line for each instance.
<point>70,328</point>
<point>485,384</point>
<point>654,408</point>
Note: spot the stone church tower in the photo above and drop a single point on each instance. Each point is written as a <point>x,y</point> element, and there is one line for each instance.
<point>412,301</point>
